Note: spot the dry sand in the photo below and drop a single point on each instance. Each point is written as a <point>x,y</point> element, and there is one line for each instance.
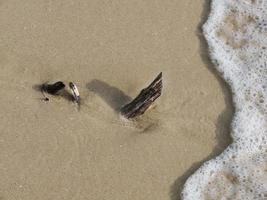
<point>111,50</point>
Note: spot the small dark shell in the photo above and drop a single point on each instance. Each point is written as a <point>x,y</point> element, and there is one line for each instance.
<point>53,88</point>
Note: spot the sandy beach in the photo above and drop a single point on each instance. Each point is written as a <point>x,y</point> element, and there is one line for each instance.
<point>111,50</point>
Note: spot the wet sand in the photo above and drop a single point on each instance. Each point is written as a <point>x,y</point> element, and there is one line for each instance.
<point>111,50</point>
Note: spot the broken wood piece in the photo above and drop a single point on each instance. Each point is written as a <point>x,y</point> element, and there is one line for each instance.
<point>144,100</point>
<point>53,89</point>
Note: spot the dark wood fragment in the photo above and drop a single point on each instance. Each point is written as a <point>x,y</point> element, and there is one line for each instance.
<point>53,88</point>
<point>144,100</point>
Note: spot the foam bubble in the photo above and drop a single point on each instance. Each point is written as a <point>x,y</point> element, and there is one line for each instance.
<point>236,32</point>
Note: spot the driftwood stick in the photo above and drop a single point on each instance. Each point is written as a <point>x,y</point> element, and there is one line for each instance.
<point>144,100</point>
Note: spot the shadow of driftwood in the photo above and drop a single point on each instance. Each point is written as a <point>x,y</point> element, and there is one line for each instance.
<point>113,96</point>
<point>223,124</point>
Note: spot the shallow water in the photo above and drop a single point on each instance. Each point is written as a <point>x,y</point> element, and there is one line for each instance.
<point>236,33</point>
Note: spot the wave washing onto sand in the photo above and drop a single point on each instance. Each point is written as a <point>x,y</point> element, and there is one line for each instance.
<point>236,32</point>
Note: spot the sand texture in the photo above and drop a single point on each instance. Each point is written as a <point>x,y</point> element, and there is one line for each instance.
<point>111,50</point>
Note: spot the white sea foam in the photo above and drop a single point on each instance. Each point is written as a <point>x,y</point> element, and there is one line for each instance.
<point>236,32</point>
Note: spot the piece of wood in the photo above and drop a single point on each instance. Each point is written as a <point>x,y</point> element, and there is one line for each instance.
<point>53,88</point>
<point>144,100</point>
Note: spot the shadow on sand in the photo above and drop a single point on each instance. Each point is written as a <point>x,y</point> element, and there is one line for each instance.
<point>223,125</point>
<point>113,96</point>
